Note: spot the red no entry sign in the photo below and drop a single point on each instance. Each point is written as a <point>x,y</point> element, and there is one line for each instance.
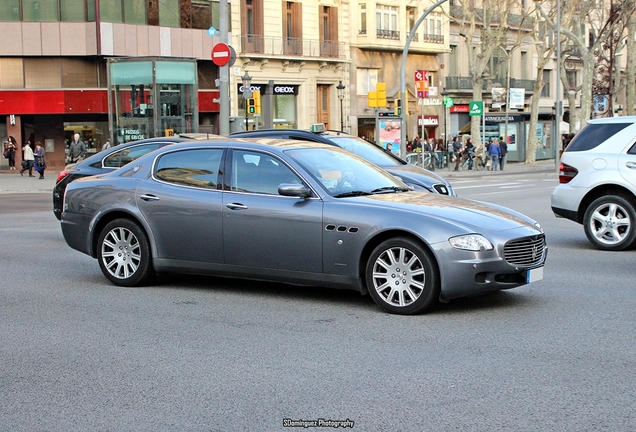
<point>221,54</point>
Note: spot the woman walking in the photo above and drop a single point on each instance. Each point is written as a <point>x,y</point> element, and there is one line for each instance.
<point>40,162</point>
<point>11,149</point>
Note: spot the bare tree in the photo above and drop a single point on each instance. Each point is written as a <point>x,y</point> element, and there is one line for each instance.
<point>545,52</point>
<point>484,27</point>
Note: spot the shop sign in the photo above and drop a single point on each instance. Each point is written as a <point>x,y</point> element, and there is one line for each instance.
<point>133,135</point>
<point>459,109</point>
<point>278,89</point>
<point>429,121</point>
<point>502,118</point>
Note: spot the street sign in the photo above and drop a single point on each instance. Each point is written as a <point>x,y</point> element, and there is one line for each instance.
<point>221,54</point>
<point>476,108</point>
<point>421,83</point>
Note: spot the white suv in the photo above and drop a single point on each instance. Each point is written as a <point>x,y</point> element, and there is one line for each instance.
<point>598,182</point>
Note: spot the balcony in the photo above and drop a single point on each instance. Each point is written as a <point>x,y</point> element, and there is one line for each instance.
<point>291,47</point>
<point>457,84</point>
<point>388,34</point>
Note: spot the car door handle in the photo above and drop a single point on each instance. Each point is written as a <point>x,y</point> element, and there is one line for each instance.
<point>631,165</point>
<point>147,197</point>
<point>236,206</point>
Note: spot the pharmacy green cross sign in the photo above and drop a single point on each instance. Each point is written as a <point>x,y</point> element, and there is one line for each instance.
<point>475,108</point>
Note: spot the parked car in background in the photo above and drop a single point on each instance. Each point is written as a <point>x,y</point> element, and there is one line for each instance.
<point>297,212</point>
<point>105,161</point>
<point>415,177</point>
<point>597,182</point>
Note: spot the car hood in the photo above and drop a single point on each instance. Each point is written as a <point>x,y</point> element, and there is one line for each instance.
<point>415,174</point>
<point>472,215</point>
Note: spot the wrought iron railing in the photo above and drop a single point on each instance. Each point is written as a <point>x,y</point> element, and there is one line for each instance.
<point>270,45</point>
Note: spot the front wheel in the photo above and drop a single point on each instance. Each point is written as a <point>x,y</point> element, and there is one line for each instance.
<point>124,253</point>
<point>402,277</point>
<point>609,223</point>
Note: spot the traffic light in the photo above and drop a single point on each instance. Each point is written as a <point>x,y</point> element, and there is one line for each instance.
<point>372,99</point>
<point>251,108</point>
<point>397,107</point>
<point>257,102</point>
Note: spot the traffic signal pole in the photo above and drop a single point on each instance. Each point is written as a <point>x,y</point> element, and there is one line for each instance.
<point>403,74</point>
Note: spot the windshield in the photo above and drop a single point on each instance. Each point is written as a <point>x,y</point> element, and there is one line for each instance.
<point>365,150</point>
<point>343,174</point>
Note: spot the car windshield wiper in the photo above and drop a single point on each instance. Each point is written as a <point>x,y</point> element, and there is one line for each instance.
<point>352,194</point>
<point>389,189</point>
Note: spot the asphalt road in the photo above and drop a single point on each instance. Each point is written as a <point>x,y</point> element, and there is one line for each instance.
<point>211,354</point>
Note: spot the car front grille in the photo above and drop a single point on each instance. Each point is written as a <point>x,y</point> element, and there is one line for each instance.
<point>441,189</point>
<point>527,251</point>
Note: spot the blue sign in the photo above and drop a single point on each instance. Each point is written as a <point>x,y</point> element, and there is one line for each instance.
<point>212,32</point>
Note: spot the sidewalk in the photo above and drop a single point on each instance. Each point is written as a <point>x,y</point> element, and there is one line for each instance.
<point>12,182</point>
<point>540,167</point>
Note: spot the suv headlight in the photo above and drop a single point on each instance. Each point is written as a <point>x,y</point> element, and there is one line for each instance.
<point>471,242</point>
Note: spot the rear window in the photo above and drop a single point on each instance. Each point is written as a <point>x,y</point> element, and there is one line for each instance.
<point>593,135</point>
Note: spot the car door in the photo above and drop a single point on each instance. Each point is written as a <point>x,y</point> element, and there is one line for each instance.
<point>627,165</point>
<point>182,202</point>
<point>263,229</point>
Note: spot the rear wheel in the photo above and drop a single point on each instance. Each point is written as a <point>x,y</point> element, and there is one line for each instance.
<point>124,253</point>
<point>610,223</point>
<point>402,277</point>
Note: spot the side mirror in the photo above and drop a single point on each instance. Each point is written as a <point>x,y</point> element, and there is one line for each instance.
<point>294,190</point>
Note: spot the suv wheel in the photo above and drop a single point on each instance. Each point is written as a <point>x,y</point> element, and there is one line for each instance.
<point>610,223</point>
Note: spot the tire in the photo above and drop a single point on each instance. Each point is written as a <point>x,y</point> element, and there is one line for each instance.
<point>610,223</point>
<point>124,254</point>
<point>402,277</point>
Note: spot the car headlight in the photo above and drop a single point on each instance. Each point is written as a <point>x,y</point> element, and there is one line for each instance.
<point>471,242</point>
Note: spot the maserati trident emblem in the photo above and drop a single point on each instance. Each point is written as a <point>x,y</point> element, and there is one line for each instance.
<point>535,252</point>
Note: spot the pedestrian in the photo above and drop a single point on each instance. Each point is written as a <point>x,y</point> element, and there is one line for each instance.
<point>77,150</point>
<point>10,148</point>
<point>494,151</point>
<point>469,152</point>
<point>40,161</point>
<point>27,159</point>
<point>106,145</point>
<point>457,150</point>
<point>503,149</point>
<point>440,149</point>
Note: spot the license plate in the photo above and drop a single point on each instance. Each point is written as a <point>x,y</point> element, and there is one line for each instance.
<point>534,275</point>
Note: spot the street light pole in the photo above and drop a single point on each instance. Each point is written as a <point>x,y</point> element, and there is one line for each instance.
<point>557,132</point>
<point>445,140</point>
<point>341,96</point>
<point>247,93</point>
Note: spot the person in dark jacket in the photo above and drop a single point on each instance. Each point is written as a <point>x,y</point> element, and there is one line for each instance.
<point>503,149</point>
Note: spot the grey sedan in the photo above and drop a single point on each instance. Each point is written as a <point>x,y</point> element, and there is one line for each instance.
<point>296,212</point>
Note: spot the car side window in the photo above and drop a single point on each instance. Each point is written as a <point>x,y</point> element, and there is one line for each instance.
<point>260,173</point>
<point>632,150</point>
<point>194,167</point>
<point>593,135</point>
<point>126,155</point>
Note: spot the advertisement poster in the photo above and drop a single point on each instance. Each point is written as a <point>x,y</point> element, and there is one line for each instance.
<point>390,135</point>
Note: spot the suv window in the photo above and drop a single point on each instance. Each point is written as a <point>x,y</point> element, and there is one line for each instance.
<point>594,134</point>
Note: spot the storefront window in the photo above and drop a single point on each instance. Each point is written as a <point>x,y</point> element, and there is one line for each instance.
<point>152,98</point>
<point>285,110</point>
<point>284,103</point>
<point>94,134</point>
